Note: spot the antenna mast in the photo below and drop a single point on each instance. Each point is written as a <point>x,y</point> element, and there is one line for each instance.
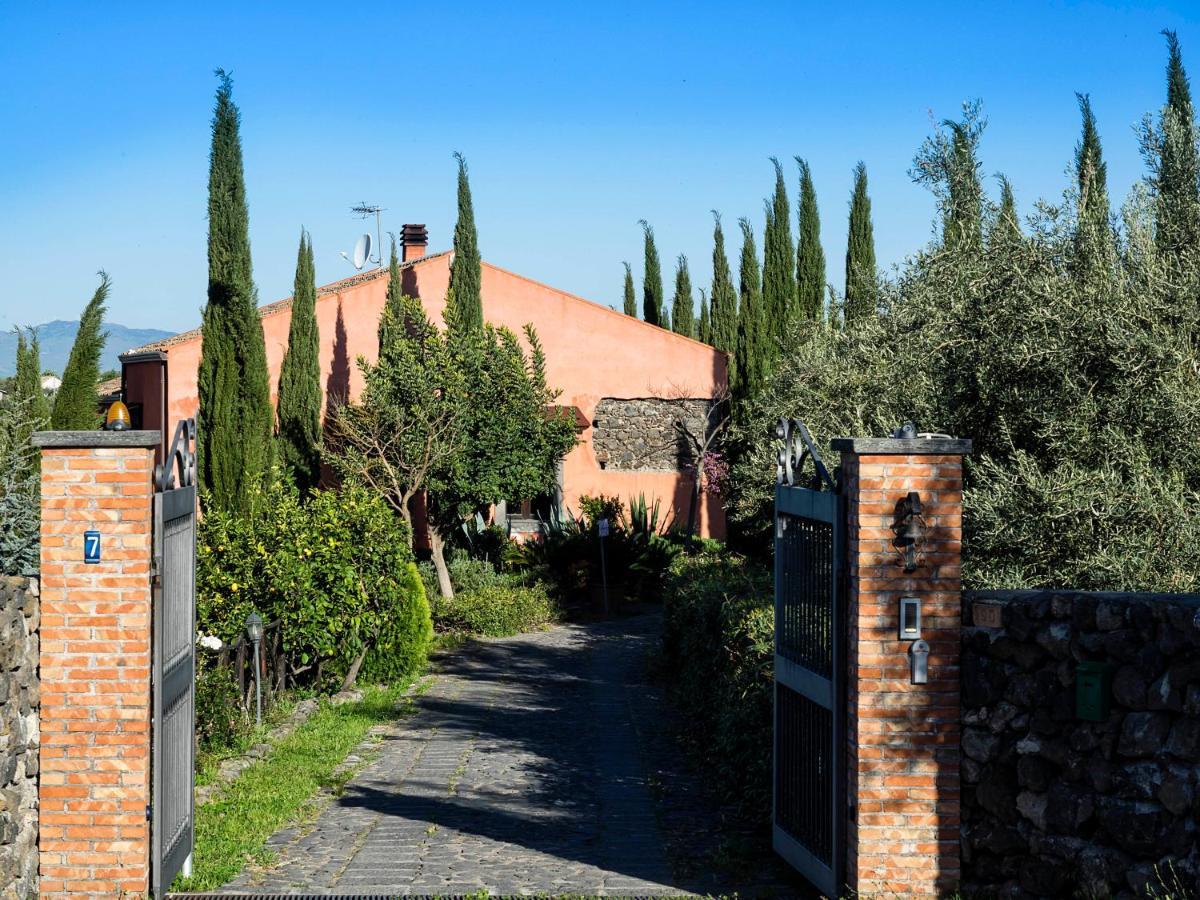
<point>364,210</point>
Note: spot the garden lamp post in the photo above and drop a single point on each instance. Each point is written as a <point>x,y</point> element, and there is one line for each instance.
<point>254,631</point>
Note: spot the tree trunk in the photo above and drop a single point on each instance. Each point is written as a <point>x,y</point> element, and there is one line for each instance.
<point>694,506</point>
<point>352,675</point>
<point>438,550</point>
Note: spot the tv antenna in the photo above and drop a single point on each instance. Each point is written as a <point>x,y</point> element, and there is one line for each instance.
<point>363,210</point>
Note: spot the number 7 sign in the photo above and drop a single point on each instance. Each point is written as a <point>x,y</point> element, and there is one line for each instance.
<point>91,546</point>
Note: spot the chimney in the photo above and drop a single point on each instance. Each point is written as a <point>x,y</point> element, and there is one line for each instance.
<point>415,240</point>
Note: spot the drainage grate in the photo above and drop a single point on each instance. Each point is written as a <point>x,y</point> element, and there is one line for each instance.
<point>277,896</point>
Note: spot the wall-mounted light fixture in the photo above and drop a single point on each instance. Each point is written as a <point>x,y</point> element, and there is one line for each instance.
<point>909,528</point>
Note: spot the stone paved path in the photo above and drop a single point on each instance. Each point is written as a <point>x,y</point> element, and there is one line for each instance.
<point>520,773</point>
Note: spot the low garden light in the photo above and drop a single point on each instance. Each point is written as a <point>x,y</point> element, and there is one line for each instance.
<point>254,631</point>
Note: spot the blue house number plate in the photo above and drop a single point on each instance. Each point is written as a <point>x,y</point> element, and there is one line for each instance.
<point>91,546</point>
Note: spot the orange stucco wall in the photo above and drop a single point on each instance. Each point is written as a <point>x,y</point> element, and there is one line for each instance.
<point>591,352</point>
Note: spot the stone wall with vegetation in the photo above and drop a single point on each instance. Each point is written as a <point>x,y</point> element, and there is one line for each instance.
<point>1053,804</point>
<point>19,736</point>
<point>640,434</point>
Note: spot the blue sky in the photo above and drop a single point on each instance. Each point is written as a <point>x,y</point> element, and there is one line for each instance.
<point>576,120</point>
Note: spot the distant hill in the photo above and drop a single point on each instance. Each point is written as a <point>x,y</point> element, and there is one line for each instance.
<point>57,337</point>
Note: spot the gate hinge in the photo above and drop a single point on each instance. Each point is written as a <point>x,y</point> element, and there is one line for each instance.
<point>155,567</point>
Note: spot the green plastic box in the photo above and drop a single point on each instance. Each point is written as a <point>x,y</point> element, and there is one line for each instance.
<point>1093,688</point>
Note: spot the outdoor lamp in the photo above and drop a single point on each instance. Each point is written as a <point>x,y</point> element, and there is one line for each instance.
<point>254,631</point>
<point>909,529</point>
<point>117,418</point>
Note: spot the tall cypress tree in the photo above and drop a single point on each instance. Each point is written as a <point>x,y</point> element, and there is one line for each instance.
<point>810,257</point>
<point>27,386</point>
<point>466,271</point>
<point>1177,226</point>
<point>1094,239</point>
<point>76,406</point>
<point>724,296</point>
<point>704,327</point>
<point>963,222</point>
<point>752,330</point>
<point>683,312</point>
<point>1007,228</point>
<point>861,297</point>
<point>393,313</point>
<point>630,297</point>
<point>779,276</point>
<point>300,378</point>
<point>236,428</point>
<point>652,283</point>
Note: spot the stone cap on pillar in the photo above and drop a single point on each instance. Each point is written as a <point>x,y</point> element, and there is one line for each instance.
<point>932,446</point>
<point>88,439</point>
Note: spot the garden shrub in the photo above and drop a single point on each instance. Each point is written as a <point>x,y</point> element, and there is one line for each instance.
<point>220,718</point>
<point>497,611</point>
<point>718,651</point>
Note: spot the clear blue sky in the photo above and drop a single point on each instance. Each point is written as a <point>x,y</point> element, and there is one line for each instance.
<point>576,120</point>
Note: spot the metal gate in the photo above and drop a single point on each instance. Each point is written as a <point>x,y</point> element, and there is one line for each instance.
<point>809,779</point>
<point>174,673</point>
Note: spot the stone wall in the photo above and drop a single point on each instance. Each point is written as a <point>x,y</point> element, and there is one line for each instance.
<point>1054,805</point>
<point>19,737</point>
<point>640,434</point>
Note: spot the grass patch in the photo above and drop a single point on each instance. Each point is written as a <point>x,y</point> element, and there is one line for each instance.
<point>231,831</point>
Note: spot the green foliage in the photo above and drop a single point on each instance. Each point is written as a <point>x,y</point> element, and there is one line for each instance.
<point>465,300</point>
<point>337,572</point>
<point>718,648</point>
<point>948,164</point>
<point>468,574</point>
<point>20,505</point>
<point>1175,167</point>
<point>810,257</point>
<point>644,517</point>
<point>27,384</point>
<point>1007,225</point>
<point>704,326</point>
<point>753,336</point>
<point>683,313</point>
<point>779,276</point>
<point>861,274</point>
<point>497,610</point>
<point>76,407</point>
<point>235,434</point>
<point>1094,239</point>
<point>724,296</point>
<point>629,297</point>
<point>592,509</point>
<point>300,379</point>
<point>652,283</point>
<point>220,718</point>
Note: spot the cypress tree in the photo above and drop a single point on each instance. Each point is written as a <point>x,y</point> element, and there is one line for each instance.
<point>810,257</point>
<point>963,222</point>
<point>724,297</point>
<point>861,297</point>
<point>779,277</point>
<point>27,386</point>
<point>652,283</point>
<point>630,297</point>
<point>236,428</point>
<point>752,331</point>
<point>300,378</point>
<point>466,271</point>
<point>1007,228</point>
<point>1177,226</point>
<point>704,328</point>
<point>76,405</point>
<point>393,307</point>
<point>683,313</point>
<point>1094,241</point>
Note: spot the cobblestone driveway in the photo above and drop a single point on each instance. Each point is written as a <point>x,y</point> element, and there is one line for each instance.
<point>520,773</point>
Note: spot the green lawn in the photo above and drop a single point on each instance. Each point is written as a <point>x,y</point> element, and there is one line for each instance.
<point>231,831</point>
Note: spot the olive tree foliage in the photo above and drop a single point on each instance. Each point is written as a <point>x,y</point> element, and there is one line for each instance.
<point>1077,384</point>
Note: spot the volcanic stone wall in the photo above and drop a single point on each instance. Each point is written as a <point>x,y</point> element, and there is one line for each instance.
<point>19,737</point>
<point>1054,805</point>
<point>641,434</point>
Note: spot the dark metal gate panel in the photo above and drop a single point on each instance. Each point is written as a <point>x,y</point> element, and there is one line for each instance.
<point>809,780</point>
<point>174,673</point>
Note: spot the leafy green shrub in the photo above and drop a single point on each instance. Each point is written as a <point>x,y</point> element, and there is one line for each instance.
<point>468,574</point>
<point>497,611</point>
<point>220,718</point>
<point>718,651</point>
<point>593,509</point>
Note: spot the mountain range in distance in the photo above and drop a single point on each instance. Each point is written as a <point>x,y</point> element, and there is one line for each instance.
<point>55,340</point>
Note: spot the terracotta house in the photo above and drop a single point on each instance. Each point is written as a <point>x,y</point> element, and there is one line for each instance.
<point>627,382</point>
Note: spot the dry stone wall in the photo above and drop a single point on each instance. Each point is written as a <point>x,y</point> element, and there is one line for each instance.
<point>640,434</point>
<point>1054,805</point>
<point>19,736</point>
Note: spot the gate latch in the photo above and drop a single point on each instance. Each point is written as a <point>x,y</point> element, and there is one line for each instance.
<point>918,661</point>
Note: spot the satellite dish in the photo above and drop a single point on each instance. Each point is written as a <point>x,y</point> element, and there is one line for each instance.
<point>362,251</point>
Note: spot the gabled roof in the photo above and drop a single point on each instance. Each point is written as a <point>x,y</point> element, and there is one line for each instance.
<point>271,308</point>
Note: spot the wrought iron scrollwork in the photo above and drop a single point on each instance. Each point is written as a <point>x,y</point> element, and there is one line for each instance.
<point>180,463</point>
<point>796,446</point>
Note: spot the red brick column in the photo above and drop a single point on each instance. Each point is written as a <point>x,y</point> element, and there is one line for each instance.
<point>95,663</point>
<point>903,738</point>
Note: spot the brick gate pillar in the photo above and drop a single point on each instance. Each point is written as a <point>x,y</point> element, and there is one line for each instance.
<point>903,738</point>
<point>95,661</point>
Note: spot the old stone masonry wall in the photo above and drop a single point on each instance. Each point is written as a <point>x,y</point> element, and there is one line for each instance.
<point>19,737</point>
<point>1055,805</point>
<point>640,434</point>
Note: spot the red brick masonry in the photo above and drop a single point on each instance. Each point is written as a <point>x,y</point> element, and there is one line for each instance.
<point>95,663</point>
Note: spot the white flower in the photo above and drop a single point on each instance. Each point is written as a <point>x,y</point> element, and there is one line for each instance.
<point>210,642</point>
